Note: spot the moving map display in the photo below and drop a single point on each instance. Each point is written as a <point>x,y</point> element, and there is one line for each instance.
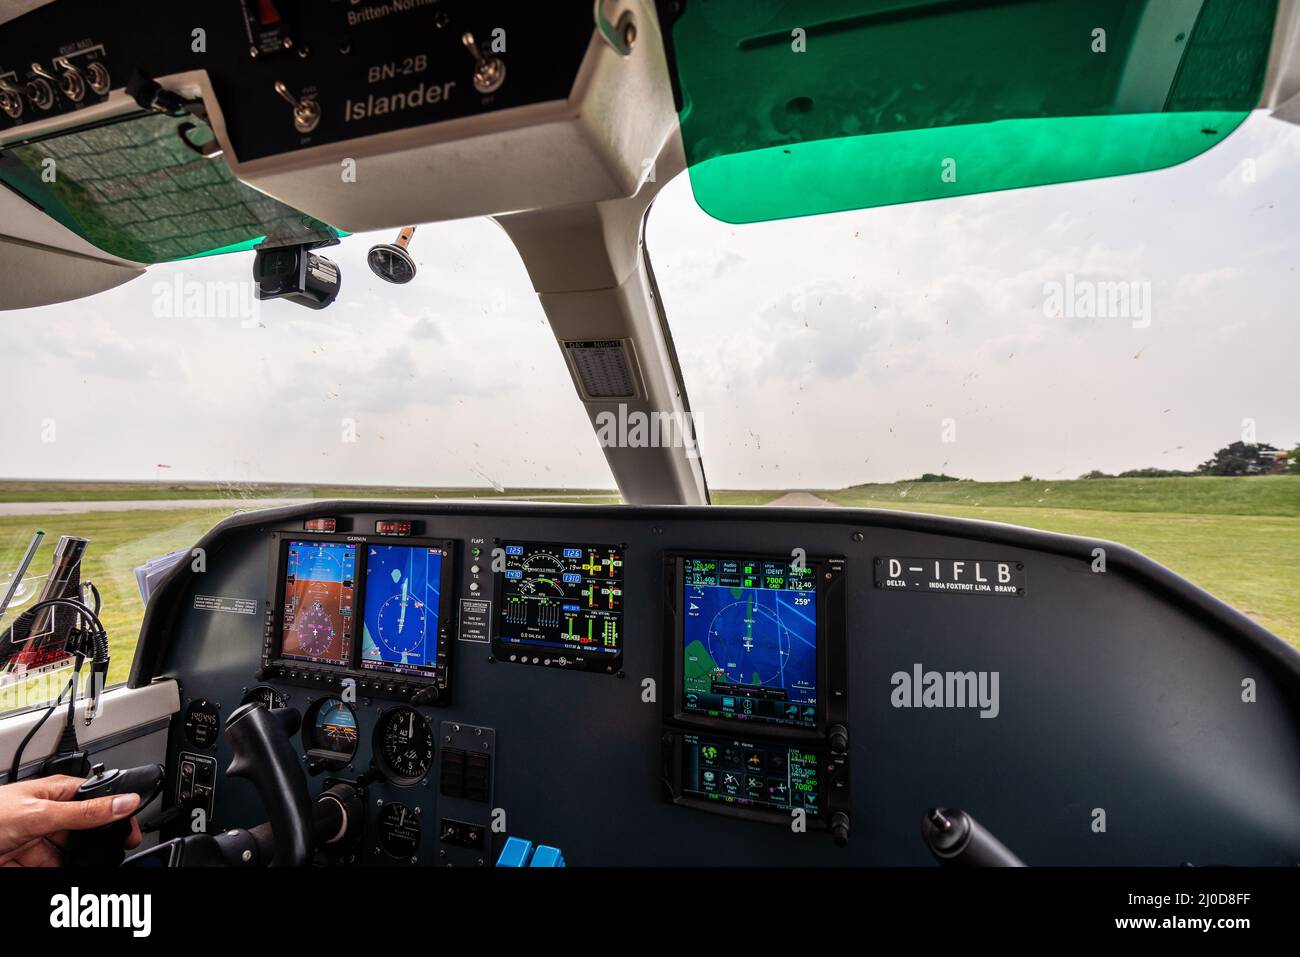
<point>562,600</point>
<point>319,582</point>
<point>402,605</point>
<point>749,640</point>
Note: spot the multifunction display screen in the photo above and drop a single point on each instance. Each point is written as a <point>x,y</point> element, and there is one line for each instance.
<point>749,640</point>
<point>402,603</point>
<point>561,600</point>
<point>748,774</point>
<point>319,583</point>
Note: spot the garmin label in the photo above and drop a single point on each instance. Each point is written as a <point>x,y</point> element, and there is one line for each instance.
<point>951,576</point>
<point>235,606</point>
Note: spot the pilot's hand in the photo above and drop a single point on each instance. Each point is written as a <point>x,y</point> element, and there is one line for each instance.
<point>37,814</point>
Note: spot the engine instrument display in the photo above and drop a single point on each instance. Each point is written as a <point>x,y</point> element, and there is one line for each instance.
<point>404,745</point>
<point>748,639</point>
<point>561,604</point>
<point>750,775</point>
<point>404,624</point>
<point>319,581</point>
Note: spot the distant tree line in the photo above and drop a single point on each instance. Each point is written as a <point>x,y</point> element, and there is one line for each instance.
<point>1239,458</point>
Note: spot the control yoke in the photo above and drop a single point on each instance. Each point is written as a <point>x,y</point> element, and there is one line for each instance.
<point>260,739</point>
<point>263,755</point>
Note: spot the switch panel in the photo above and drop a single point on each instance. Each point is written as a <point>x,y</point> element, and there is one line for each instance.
<point>465,792</point>
<point>196,787</point>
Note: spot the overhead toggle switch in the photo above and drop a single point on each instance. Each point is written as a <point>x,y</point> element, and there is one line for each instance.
<point>306,111</point>
<point>71,82</point>
<point>489,72</point>
<point>11,100</point>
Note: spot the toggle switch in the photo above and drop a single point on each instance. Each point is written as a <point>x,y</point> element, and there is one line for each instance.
<point>306,111</point>
<point>39,90</point>
<point>489,72</point>
<point>71,82</point>
<point>11,100</point>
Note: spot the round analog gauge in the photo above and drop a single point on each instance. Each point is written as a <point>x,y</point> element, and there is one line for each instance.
<point>267,697</point>
<point>331,728</point>
<point>391,263</point>
<point>398,829</point>
<point>404,745</point>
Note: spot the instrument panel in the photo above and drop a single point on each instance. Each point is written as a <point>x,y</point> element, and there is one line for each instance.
<point>716,686</point>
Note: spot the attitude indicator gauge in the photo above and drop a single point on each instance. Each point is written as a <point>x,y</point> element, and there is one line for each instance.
<point>330,734</point>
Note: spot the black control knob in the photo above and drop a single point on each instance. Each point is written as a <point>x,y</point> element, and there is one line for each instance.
<point>337,814</point>
<point>839,739</point>
<point>840,828</point>
<point>958,840</point>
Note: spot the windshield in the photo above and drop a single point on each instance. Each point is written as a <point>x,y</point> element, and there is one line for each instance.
<point>1029,343</point>
<point>141,416</point>
<point>1112,359</point>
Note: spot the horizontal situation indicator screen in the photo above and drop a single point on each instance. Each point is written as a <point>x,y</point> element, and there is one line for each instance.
<point>402,605</point>
<point>319,584</point>
<point>749,640</point>
<point>562,600</point>
<point>761,777</point>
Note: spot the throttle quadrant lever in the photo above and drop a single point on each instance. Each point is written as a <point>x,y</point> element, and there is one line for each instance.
<point>106,846</point>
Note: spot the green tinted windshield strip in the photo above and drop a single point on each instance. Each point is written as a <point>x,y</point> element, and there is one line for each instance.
<point>792,109</point>
<point>137,191</point>
<point>780,182</point>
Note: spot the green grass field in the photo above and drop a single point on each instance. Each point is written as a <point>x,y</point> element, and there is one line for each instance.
<point>1237,538</point>
<point>1202,495</point>
<point>39,491</point>
<point>119,542</point>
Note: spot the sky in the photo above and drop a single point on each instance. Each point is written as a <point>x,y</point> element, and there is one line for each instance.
<point>818,353</point>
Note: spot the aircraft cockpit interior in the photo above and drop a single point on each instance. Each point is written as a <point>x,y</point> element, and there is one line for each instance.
<point>624,655</point>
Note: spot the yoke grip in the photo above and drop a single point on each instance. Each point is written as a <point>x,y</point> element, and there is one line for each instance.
<point>265,756</point>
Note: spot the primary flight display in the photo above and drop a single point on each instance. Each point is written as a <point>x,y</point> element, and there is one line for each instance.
<point>320,578</point>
